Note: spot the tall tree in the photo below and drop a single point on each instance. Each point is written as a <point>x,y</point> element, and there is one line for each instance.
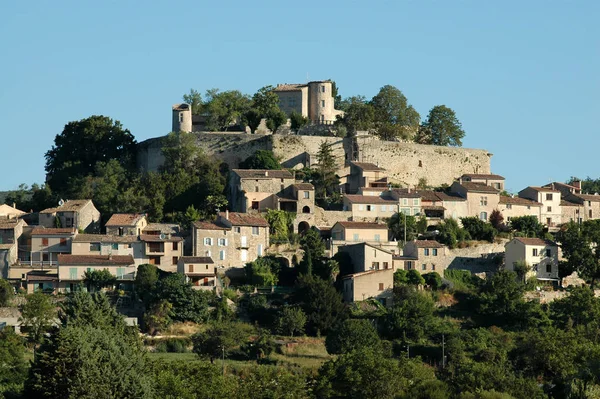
<point>444,127</point>
<point>194,99</point>
<point>265,101</point>
<point>224,109</point>
<point>6,292</point>
<point>13,366</point>
<point>325,180</point>
<point>321,303</point>
<point>37,315</point>
<point>350,335</point>
<point>358,115</point>
<point>261,159</point>
<point>84,143</point>
<point>398,228</point>
<point>393,114</point>
<point>581,246</point>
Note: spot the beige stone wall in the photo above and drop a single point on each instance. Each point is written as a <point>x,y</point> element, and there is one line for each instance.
<point>296,100</point>
<point>168,257</point>
<point>370,212</point>
<point>64,272</point>
<point>516,251</point>
<point>234,248</point>
<point>482,202</point>
<point>551,212</point>
<point>338,233</point>
<point>126,230</point>
<point>510,211</point>
<point>370,286</point>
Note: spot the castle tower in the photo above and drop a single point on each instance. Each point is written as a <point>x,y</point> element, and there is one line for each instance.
<point>320,102</point>
<point>182,118</point>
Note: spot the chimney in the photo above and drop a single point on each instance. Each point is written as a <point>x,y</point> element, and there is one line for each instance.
<point>408,189</point>
<point>14,204</point>
<point>577,184</point>
<point>227,214</point>
<point>266,173</point>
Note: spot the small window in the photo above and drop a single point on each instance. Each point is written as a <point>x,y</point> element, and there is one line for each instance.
<point>259,250</point>
<point>404,201</point>
<point>355,237</point>
<point>375,265</point>
<point>45,241</point>
<point>63,242</point>
<point>255,205</point>
<point>369,208</point>
<point>416,201</point>
<point>549,209</point>
<point>423,266</point>
<point>323,103</point>
<point>377,237</point>
<point>73,273</point>
<point>175,246</point>
<point>432,267</point>
<point>434,250</point>
<point>508,206</point>
<point>322,88</point>
<point>222,242</point>
<point>548,197</point>
<point>483,201</point>
<point>175,260</point>
<point>221,255</point>
<point>549,268</point>
<point>256,188</point>
<point>409,265</point>
<point>483,216</point>
<point>548,252</point>
<point>380,286</point>
<point>535,252</point>
<point>306,194</point>
<point>94,247</point>
<point>190,268</point>
<point>255,230</point>
<point>115,246</point>
<point>590,213</point>
<point>383,208</point>
<point>361,207</point>
<point>385,265</point>
<point>426,252</point>
<point>237,229</point>
<point>208,241</point>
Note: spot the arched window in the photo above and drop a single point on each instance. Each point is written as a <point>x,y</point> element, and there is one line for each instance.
<point>306,209</point>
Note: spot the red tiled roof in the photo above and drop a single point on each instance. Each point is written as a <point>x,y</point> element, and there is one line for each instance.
<point>41,231</point>
<point>478,187</point>
<point>263,174</point>
<point>10,223</point>
<point>68,206</point>
<point>427,244</point>
<point>518,201</point>
<point>103,260</point>
<point>200,225</point>
<point>404,193</point>
<point>196,259</point>
<point>369,199</point>
<point>366,166</point>
<point>483,176</point>
<point>362,225</point>
<point>245,219</point>
<point>124,219</point>
<point>543,189</point>
<point>534,241</point>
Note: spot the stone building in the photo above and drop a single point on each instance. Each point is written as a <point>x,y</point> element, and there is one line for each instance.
<point>425,256</point>
<point>105,244</point>
<point>367,175</point>
<point>540,255</point>
<point>481,199</point>
<point>313,100</point>
<point>81,214</point>
<point>511,207</point>
<point>10,212</point>
<point>200,271</point>
<point>232,240</point>
<point>370,207</point>
<point>10,233</point>
<point>491,180</point>
<point>126,224</point>
<point>550,212</point>
<point>71,269</point>
<point>253,189</point>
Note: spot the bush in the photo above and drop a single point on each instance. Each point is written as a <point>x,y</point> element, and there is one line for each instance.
<point>463,280</point>
<point>433,280</point>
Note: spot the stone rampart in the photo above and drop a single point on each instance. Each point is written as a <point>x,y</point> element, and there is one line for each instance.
<point>478,258</point>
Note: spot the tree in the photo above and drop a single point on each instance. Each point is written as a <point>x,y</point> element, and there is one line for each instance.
<point>500,299</point>
<point>496,219</point>
<point>478,229</point>
<point>579,308</point>
<point>262,272</point>
<point>89,362</point>
<point>224,109</point>
<point>145,281</point>
<point>291,320</point>
<point>529,226</point>
<point>580,244</point>
<point>252,118</point>
<point>13,366</point>
<point>265,101</point>
<point>83,309</point>
<point>444,126</point>
<point>188,304</point>
<point>220,339</point>
<point>311,242</point>
<point>400,277</point>
<point>6,292</point>
<point>450,233</point>
<point>433,280</point>
<point>521,268</point>
<point>411,316</point>
<point>190,216</point>
<point>413,277</point>
<point>99,279</point>
<point>261,347</point>
<point>158,317</point>
<point>297,121</point>
<point>37,315</point>
<point>261,159</point>
<point>194,99</point>
<point>280,224</point>
<point>321,303</point>
<point>350,335</point>
<point>393,114</point>
<point>398,228</point>
<point>325,180</point>
<point>276,118</point>
<point>358,115</point>
<point>84,143</point>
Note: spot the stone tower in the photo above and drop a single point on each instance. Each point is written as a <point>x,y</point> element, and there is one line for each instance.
<point>320,102</point>
<point>182,118</point>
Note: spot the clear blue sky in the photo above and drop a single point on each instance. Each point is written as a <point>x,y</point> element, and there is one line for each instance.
<point>522,76</point>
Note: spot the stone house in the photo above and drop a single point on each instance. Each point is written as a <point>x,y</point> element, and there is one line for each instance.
<point>81,214</point>
<point>409,201</point>
<point>10,233</point>
<point>346,231</point>
<point>425,256</point>
<point>582,207</point>
<point>378,284</point>
<point>571,212</point>
<point>41,280</point>
<point>126,224</point>
<point>162,245</point>
<point>541,255</point>
<point>313,100</point>
<point>105,244</point>
<point>232,240</point>
<point>492,180</point>
<point>198,270</point>
<point>47,244</point>
<point>10,212</point>
<point>511,207</point>
<point>71,269</point>
<point>367,175</point>
<point>565,189</point>
<point>251,190</point>
<point>303,201</point>
<point>438,205</point>
<point>370,207</point>
<point>481,199</point>
<point>550,213</point>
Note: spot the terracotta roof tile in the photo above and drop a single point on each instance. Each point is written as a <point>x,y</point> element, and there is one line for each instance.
<point>369,199</point>
<point>405,193</point>
<point>104,260</point>
<point>362,225</point>
<point>483,176</point>
<point>104,238</point>
<point>518,201</point>
<point>124,219</point>
<point>366,166</point>
<point>245,219</point>
<point>165,228</point>
<point>534,241</point>
<point>201,225</point>
<point>427,244</point>
<point>41,231</point>
<point>263,174</point>
<point>479,188</point>
<point>196,259</point>
<point>543,189</point>
<point>69,206</point>
<point>304,186</point>
<point>10,223</point>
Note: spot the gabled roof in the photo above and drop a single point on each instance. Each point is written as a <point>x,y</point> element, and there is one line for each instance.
<point>518,201</point>
<point>202,225</point>
<point>9,210</point>
<point>483,176</point>
<point>366,166</point>
<point>104,238</point>
<point>534,241</point>
<point>69,206</point>
<point>479,188</point>
<point>588,197</point>
<point>263,174</point>
<point>369,199</point>
<point>11,223</point>
<point>245,219</point>
<point>103,260</point>
<point>50,231</point>
<point>196,259</point>
<point>304,186</point>
<point>427,244</point>
<point>165,228</point>
<point>406,193</point>
<point>542,189</point>
<point>362,225</point>
<point>125,219</point>
<point>556,183</point>
<point>289,87</point>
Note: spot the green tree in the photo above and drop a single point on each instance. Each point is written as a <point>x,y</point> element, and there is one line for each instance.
<point>521,268</point>
<point>311,242</point>
<point>350,335</point>
<point>291,320</point>
<point>272,382</point>
<point>158,317</point>
<point>393,114</point>
<point>413,277</point>
<point>265,101</point>
<point>400,277</point>
<point>188,304</point>
<point>478,229</point>
<point>297,121</point>
<point>194,99</point>
<point>579,308</point>
<point>84,143</point>
<point>397,226</point>
<point>37,314</point>
<point>358,115</point>
<point>220,339</point>
<point>13,366</point>
<point>325,180</point>
<point>177,380</point>
<point>261,347</point>
<point>275,119</point>
<point>145,281</point>
<point>99,279</point>
<point>252,118</point>
<point>580,244</point>
<point>89,362</point>
<point>261,159</point>
<point>411,316</point>
<point>529,226</point>
<point>433,280</point>
<point>450,233</point>
<point>6,292</point>
<point>190,216</point>
<point>280,224</point>
<point>224,109</point>
<point>83,309</point>
<point>444,126</point>
<point>262,272</point>
<point>321,303</point>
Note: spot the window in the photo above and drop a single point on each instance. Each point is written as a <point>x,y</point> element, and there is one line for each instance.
<point>483,201</point>
<point>496,186</point>
<point>369,208</point>
<point>432,267</point>
<point>322,88</point>
<point>323,103</point>
<point>383,208</point>
<point>405,211</point>
<point>589,203</point>
<point>416,201</point>
<point>355,237</point>
<point>256,188</point>
<point>423,266</point>
<point>306,194</point>
<point>45,257</point>
<point>190,268</point>
<point>237,229</point>
<point>404,201</point>
<point>409,265</point>
<point>63,242</point>
<point>380,286</point>
<point>175,260</point>
<point>375,265</point>
<point>548,197</point>
<point>221,255</point>
<point>45,241</point>
<point>94,247</point>
<point>222,242</point>
<point>361,207</point>
<point>254,205</point>
<point>590,213</point>
<point>549,268</point>
<point>548,252</point>
<point>508,206</point>
<point>549,209</point>
<point>426,252</point>
<point>69,222</point>
<point>255,230</point>
<point>434,250</point>
<point>483,216</point>
<point>115,246</point>
<point>208,241</point>
<point>73,273</point>
<point>535,252</point>
<point>259,250</point>
<point>120,272</point>
<point>175,246</point>
<point>377,237</point>
<point>385,265</point>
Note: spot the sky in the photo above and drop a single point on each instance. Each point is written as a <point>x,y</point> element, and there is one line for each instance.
<point>522,76</point>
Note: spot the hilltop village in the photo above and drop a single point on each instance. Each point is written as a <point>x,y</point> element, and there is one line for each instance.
<point>311,248</point>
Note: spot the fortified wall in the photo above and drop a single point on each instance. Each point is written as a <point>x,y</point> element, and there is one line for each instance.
<point>406,163</point>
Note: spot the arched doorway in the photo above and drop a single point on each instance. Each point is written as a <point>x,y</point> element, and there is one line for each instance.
<point>306,209</point>
<point>303,227</point>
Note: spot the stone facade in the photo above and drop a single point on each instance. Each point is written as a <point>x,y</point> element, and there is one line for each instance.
<point>424,256</point>
<point>482,200</point>
<point>81,214</point>
<point>313,100</point>
<point>540,255</point>
<point>126,224</point>
<point>253,190</point>
<point>378,284</point>
<point>550,212</point>
<point>201,272</point>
